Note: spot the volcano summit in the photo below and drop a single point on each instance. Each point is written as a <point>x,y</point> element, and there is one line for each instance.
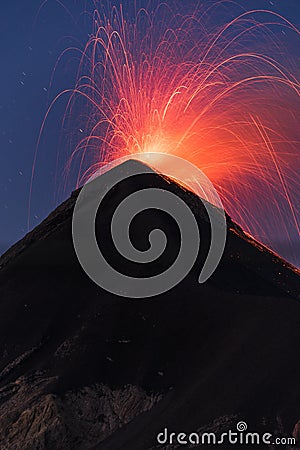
<point>83,368</point>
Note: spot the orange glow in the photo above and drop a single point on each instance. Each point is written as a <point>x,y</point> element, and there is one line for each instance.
<point>216,95</point>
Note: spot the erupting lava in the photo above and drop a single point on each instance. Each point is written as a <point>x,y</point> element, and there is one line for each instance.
<point>215,89</point>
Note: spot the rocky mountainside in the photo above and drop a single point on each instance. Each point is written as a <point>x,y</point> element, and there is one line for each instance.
<point>81,368</point>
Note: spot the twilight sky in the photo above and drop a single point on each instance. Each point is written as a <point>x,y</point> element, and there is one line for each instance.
<point>32,36</point>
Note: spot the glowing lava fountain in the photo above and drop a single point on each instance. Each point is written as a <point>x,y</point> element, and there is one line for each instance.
<point>212,86</point>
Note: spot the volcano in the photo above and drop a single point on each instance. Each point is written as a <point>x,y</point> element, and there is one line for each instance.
<point>82,368</point>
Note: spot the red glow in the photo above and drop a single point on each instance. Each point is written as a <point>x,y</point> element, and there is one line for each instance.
<point>221,96</point>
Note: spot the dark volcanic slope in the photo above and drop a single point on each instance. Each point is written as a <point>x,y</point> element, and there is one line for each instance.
<point>82,369</point>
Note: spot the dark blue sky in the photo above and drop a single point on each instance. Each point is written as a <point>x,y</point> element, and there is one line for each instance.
<point>30,44</point>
